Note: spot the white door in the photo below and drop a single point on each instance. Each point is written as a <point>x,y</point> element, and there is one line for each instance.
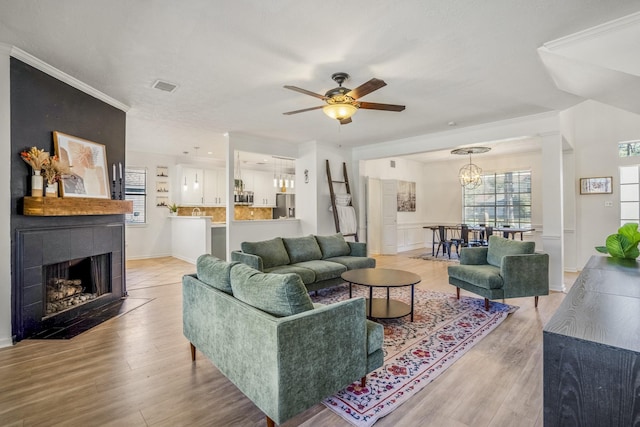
<point>374,216</point>
<point>389,217</point>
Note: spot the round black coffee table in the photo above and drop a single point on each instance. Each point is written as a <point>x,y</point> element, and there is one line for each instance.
<point>381,308</point>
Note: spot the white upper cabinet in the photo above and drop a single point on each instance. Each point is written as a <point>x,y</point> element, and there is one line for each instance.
<point>264,193</point>
<point>215,187</point>
<point>190,185</point>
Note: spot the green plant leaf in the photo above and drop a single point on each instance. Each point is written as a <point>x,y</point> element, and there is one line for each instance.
<point>630,231</point>
<point>602,249</point>
<point>616,244</point>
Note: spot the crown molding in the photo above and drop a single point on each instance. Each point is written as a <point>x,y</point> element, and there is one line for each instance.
<point>29,59</point>
<point>594,32</point>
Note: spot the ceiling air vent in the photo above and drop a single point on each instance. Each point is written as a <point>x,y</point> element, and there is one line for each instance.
<point>164,86</point>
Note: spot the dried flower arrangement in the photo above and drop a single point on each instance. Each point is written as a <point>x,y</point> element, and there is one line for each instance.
<point>35,158</point>
<point>54,169</point>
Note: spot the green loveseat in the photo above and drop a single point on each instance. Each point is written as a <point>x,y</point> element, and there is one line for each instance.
<point>265,335</point>
<point>318,260</point>
<point>504,269</point>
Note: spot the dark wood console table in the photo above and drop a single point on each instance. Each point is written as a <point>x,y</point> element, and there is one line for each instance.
<point>592,349</point>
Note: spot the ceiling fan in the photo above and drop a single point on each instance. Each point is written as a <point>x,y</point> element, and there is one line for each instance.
<point>342,102</point>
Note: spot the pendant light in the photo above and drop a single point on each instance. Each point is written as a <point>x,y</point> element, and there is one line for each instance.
<point>470,175</point>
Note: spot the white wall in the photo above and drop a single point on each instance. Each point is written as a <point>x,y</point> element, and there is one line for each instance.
<point>307,192</point>
<point>5,194</point>
<point>597,128</point>
<point>152,239</point>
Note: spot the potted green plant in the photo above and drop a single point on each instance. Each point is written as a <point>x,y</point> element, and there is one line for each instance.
<point>624,244</point>
<point>173,209</point>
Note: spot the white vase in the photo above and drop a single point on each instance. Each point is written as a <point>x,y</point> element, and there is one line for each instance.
<point>52,190</point>
<point>37,183</point>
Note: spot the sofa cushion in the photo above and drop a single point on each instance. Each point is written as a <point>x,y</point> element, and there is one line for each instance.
<point>272,251</point>
<point>215,272</point>
<point>302,249</point>
<point>499,247</point>
<point>484,276</point>
<point>307,276</point>
<point>277,294</point>
<point>324,270</point>
<point>333,246</point>
<point>354,262</point>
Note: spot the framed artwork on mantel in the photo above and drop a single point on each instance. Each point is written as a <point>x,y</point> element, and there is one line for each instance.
<point>597,185</point>
<point>88,163</point>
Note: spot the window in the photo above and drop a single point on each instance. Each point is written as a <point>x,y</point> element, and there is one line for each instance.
<point>629,148</point>
<point>629,194</point>
<point>501,199</point>
<point>135,189</point>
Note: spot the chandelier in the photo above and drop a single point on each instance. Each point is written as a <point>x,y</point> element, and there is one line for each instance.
<point>470,175</point>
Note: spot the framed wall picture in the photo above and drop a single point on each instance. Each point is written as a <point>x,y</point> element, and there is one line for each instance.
<point>597,185</point>
<point>88,163</point>
<point>406,196</point>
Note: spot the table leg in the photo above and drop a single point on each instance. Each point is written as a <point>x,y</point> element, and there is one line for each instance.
<point>433,242</point>
<point>412,288</point>
<point>350,290</point>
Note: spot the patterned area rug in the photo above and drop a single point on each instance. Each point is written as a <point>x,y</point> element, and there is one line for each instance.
<point>443,330</point>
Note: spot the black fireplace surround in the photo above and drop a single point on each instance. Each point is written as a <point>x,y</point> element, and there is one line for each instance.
<point>36,248</point>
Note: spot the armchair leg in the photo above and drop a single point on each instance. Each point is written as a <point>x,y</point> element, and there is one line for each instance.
<point>486,304</point>
<point>458,293</point>
<point>193,352</point>
<point>536,301</point>
<point>270,422</point>
<point>363,381</point>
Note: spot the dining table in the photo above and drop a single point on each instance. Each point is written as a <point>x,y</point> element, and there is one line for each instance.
<point>507,232</point>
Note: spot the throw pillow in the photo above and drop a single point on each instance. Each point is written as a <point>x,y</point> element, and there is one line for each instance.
<point>302,249</point>
<point>215,272</point>
<point>499,247</point>
<point>272,252</point>
<point>277,294</point>
<point>333,246</point>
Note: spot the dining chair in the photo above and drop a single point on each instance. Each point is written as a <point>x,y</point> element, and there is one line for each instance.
<point>488,232</point>
<point>444,243</point>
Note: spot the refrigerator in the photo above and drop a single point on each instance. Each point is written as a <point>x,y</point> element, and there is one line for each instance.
<point>285,206</point>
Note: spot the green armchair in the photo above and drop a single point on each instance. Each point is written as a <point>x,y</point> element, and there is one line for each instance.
<point>504,269</point>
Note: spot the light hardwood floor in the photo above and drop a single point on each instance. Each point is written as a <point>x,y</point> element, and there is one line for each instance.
<point>136,370</point>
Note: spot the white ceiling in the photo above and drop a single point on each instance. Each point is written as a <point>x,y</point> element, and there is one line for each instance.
<point>470,62</point>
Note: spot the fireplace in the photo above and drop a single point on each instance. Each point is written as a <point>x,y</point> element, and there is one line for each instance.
<point>63,272</point>
<point>75,282</point>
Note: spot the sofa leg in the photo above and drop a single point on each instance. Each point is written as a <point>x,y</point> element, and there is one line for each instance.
<point>458,293</point>
<point>536,301</point>
<point>193,352</point>
<point>270,422</point>
<point>486,304</point>
<point>363,381</point>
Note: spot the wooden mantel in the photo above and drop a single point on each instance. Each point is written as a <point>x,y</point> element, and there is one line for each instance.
<point>72,206</point>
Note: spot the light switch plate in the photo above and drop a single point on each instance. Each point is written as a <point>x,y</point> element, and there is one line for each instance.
<point>608,204</point>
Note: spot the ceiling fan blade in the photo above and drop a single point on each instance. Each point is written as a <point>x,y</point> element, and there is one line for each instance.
<point>385,107</point>
<point>306,92</point>
<point>366,88</point>
<point>288,113</point>
<point>345,121</point>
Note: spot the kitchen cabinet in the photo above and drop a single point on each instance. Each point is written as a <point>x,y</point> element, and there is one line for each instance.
<point>215,193</point>
<point>264,193</point>
<point>190,184</point>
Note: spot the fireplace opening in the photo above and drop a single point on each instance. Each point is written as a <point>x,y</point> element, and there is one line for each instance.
<point>69,284</point>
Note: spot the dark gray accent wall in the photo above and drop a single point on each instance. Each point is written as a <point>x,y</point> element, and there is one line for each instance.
<point>41,104</point>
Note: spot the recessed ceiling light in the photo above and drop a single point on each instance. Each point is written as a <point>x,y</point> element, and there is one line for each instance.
<point>164,86</point>
<point>209,152</point>
<point>452,123</point>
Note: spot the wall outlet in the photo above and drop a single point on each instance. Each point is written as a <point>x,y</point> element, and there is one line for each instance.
<point>608,204</point>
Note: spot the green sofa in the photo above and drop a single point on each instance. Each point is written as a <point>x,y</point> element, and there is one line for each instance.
<point>504,269</point>
<point>265,335</point>
<point>318,260</point>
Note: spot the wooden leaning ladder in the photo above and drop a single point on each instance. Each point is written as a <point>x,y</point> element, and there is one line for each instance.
<point>345,181</point>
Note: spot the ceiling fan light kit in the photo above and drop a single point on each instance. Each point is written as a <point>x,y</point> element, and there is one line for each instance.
<point>342,102</point>
<point>470,175</point>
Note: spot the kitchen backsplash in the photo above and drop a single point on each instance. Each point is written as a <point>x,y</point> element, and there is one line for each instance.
<point>218,214</point>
